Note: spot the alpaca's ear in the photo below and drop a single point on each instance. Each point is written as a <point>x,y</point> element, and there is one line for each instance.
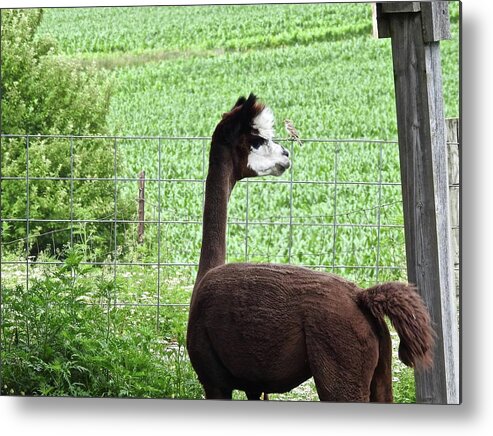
<point>239,119</point>
<point>239,102</point>
<point>248,111</point>
<point>245,103</point>
<point>249,103</point>
<point>243,111</point>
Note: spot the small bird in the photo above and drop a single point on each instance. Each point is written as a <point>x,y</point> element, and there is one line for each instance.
<point>292,132</point>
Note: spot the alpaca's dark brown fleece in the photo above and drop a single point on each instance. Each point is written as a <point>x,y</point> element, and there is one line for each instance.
<point>267,328</point>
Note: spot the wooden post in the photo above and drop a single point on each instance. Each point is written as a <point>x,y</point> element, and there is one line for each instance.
<point>415,29</point>
<point>140,228</point>
<point>452,125</point>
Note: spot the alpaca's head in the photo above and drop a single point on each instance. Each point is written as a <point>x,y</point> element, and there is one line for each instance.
<point>244,138</point>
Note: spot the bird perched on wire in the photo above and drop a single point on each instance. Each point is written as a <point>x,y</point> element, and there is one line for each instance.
<point>292,132</point>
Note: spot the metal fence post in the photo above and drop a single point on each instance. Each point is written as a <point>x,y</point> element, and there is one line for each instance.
<point>140,229</point>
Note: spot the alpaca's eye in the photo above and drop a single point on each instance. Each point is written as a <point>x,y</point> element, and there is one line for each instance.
<point>257,141</point>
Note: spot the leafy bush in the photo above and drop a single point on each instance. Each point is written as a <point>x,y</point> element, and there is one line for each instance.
<point>44,94</point>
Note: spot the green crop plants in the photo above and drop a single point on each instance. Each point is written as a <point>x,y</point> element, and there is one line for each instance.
<point>202,27</point>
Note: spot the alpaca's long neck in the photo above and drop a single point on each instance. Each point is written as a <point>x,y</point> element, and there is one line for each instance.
<point>219,183</point>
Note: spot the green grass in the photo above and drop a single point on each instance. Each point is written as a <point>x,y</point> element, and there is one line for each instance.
<point>174,74</point>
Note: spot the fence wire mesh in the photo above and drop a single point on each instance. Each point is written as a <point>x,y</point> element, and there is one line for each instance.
<point>131,210</point>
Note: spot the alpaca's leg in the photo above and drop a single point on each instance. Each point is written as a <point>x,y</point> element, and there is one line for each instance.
<point>214,377</point>
<point>253,395</point>
<point>334,384</point>
<point>341,371</point>
<point>381,383</point>
<point>216,393</point>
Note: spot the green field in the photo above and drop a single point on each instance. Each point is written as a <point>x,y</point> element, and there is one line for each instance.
<point>316,63</point>
<point>174,71</point>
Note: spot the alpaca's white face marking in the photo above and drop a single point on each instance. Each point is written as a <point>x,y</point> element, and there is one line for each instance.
<point>267,158</point>
<point>264,123</point>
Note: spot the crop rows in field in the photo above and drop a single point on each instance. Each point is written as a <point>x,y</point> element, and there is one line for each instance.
<point>134,29</point>
<point>331,86</point>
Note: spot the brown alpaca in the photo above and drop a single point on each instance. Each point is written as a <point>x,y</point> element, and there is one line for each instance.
<point>267,328</point>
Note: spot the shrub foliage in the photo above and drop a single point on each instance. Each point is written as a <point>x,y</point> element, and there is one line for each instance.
<point>46,94</point>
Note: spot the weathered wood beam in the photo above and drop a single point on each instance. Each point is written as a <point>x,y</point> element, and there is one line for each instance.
<point>435,21</point>
<point>399,7</point>
<point>452,125</point>
<point>435,18</point>
<point>415,29</point>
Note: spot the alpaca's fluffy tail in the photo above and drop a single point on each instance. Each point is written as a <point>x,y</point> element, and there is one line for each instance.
<point>409,316</point>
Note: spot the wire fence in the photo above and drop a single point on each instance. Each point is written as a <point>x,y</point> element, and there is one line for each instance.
<point>132,206</point>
